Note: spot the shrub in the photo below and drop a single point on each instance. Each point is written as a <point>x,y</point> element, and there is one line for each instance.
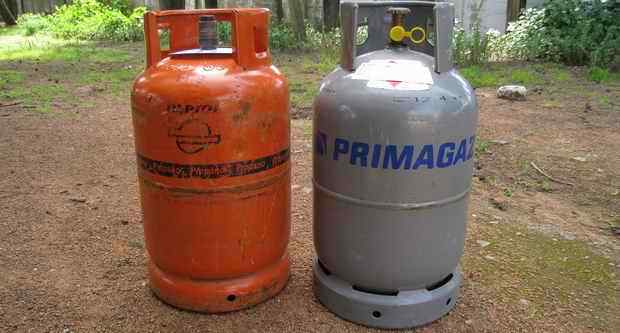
<point>92,20</point>
<point>475,47</point>
<point>598,74</point>
<point>282,37</point>
<point>574,32</point>
<point>32,23</point>
<point>525,39</point>
<point>582,32</point>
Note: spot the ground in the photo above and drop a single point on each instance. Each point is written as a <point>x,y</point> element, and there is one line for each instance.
<point>540,256</point>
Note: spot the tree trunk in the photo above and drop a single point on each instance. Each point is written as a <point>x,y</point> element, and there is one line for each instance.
<point>331,12</point>
<point>296,8</point>
<point>306,9</point>
<point>279,11</point>
<point>7,15</point>
<point>210,3</point>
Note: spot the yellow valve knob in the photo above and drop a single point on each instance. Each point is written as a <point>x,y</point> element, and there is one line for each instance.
<point>398,33</point>
<point>417,40</point>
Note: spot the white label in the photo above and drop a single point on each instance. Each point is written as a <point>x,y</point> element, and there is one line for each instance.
<point>395,74</point>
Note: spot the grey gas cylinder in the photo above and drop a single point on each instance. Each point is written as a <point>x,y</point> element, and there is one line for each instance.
<point>394,140</point>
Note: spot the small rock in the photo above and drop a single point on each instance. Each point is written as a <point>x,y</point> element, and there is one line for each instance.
<point>615,231</point>
<point>513,93</point>
<point>489,258</point>
<point>469,322</point>
<point>483,243</point>
<point>524,302</point>
<point>307,190</point>
<point>493,222</point>
<point>579,159</point>
<point>500,142</point>
<point>295,187</point>
<point>499,203</point>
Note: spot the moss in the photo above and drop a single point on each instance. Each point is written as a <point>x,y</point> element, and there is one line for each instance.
<point>555,276</point>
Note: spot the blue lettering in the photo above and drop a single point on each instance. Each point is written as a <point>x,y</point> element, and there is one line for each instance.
<point>446,155</point>
<point>359,150</point>
<point>461,153</point>
<point>376,155</point>
<point>341,146</point>
<point>320,143</point>
<point>390,157</point>
<point>472,147</point>
<point>425,158</point>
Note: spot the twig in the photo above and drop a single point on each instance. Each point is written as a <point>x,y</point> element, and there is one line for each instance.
<point>10,104</point>
<point>549,177</point>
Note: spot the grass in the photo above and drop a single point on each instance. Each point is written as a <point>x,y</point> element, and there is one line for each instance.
<point>304,72</point>
<point>498,75</point>
<point>495,75</point>
<point>55,70</point>
<point>549,273</point>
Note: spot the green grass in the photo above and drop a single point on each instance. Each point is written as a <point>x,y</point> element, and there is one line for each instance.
<point>55,69</point>
<point>497,75</point>
<point>38,96</point>
<point>560,74</point>
<point>10,77</point>
<point>117,80</point>
<point>67,52</point>
<point>482,147</point>
<point>304,72</point>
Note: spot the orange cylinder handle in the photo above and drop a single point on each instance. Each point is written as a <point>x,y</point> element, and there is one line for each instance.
<point>250,33</point>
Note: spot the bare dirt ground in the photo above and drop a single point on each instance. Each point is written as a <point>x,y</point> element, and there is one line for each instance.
<point>540,256</point>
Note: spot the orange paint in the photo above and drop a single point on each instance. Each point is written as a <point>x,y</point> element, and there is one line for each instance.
<point>212,144</point>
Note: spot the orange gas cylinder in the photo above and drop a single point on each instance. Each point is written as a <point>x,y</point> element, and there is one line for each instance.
<point>212,142</point>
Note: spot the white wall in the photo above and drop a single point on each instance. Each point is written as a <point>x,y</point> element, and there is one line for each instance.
<point>493,13</point>
<point>534,3</point>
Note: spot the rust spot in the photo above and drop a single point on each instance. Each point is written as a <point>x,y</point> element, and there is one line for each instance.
<point>243,113</point>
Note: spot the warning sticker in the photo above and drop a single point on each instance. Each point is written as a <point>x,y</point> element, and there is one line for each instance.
<point>395,74</point>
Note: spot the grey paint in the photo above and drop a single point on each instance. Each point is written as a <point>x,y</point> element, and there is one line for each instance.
<point>383,229</point>
<point>407,309</point>
<point>435,16</point>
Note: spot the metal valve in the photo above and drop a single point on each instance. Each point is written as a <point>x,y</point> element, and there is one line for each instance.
<point>439,12</point>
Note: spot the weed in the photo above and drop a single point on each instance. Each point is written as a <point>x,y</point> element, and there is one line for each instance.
<point>559,74</point>
<point>545,186</point>
<point>604,100</point>
<point>482,147</point>
<point>598,75</point>
<point>508,192</point>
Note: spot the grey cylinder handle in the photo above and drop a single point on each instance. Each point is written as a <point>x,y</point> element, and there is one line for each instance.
<point>439,12</point>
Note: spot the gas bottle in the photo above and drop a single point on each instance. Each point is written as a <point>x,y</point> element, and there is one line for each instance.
<point>212,142</point>
<point>394,134</point>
